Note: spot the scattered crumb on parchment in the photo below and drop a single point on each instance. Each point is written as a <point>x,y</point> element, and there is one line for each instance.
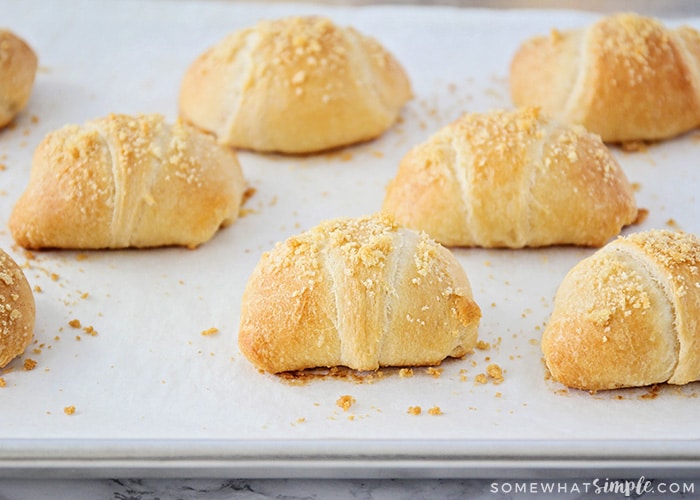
<point>672,224</point>
<point>495,372</point>
<point>417,410</point>
<point>435,410</point>
<point>90,330</point>
<point>69,410</point>
<point>482,345</point>
<point>414,410</point>
<point>345,402</point>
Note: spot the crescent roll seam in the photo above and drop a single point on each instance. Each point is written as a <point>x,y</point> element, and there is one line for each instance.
<point>536,151</point>
<point>393,270</point>
<point>685,57</point>
<point>117,182</point>
<point>577,89</point>
<point>462,176</point>
<point>366,71</point>
<point>657,275</point>
<point>243,54</point>
<point>143,195</point>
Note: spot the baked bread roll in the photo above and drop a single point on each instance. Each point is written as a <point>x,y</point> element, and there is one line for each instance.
<point>512,179</point>
<point>18,64</point>
<point>629,315</point>
<point>625,77</point>
<point>17,310</point>
<point>294,85</point>
<point>360,293</point>
<point>124,181</point>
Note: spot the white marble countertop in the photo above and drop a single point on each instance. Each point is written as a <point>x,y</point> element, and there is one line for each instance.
<point>342,489</point>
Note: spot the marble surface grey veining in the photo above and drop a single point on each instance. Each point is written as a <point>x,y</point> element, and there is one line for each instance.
<point>346,489</point>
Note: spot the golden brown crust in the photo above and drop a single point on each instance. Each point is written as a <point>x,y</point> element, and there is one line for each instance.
<point>17,310</point>
<point>294,85</point>
<point>628,315</point>
<point>360,293</point>
<point>512,179</point>
<point>625,77</point>
<point>124,181</point>
<point>18,64</point>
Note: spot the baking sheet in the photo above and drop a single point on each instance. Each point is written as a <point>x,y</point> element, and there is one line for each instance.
<point>152,394</point>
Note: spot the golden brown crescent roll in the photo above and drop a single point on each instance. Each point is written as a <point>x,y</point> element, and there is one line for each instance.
<point>357,292</point>
<point>124,181</point>
<point>512,179</point>
<point>625,77</point>
<point>294,85</point>
<point>18,64</point>
<point>629,315</point>
<point>17,310</point>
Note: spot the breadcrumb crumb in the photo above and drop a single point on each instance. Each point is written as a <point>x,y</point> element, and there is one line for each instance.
<point>414,410</point>
<point>672,224</point>
<point>495,372</point>
<point>345,402</point>
<point>69,410</point>
<point>29,364</point>
<point>210,331</point>
<point>90,331</point>
<point>406,372</point>
<point>435,410</point>
<point>482,345</point>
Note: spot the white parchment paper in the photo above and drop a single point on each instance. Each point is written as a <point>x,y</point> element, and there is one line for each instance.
<point>149,373</point>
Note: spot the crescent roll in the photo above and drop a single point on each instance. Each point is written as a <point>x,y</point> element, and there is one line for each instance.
<point>17,310</point>
<point>625,77</point>
<point>512,179</point>
<point>124,181</point>
<point>357,292</point>
<point>294,85</point>
<point>18,65</point>
<point>629,315</point>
